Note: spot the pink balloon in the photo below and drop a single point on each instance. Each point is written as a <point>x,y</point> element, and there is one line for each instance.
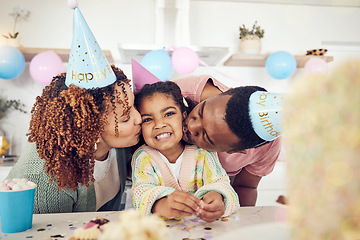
<point>72,4</point>
<point>44,66</point>
<point>316,65</point>
<point>184,60</point>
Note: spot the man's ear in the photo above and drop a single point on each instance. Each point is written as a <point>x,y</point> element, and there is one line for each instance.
<point>184,115</point>
<point>237,151</point>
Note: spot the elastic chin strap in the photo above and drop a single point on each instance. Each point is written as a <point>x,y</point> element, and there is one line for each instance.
<point>260,144</point>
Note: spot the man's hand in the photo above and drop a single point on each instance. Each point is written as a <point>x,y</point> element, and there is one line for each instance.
<point>212,207</point>
<point>178,203</point>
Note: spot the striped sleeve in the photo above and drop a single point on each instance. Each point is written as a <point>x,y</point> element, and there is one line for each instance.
<point>216,179</point>
<point>147,183</point>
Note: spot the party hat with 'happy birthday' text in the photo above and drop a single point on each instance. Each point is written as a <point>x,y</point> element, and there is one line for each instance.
<point>141,76</point>
<point>265,110</point>
<point>87,66</point>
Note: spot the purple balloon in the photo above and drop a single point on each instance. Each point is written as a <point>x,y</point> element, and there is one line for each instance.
<point>44,66</point>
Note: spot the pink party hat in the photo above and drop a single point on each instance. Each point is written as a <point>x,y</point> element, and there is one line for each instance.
<point>141,75</point>
<point>87,66</point>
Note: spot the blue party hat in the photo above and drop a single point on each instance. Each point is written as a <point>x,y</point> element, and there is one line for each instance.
<point>87,66</point>
<point>265,112</point>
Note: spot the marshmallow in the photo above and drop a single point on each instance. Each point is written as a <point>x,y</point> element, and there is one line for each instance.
<point>16,184</point>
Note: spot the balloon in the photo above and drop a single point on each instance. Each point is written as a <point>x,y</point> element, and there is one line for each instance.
<point>44,66</point>
<point>72,4</point>
<point>184,60</point>
<point>158,62</point>
<point>280,64</point>
<point>12,62</point>
<point>316,65</point>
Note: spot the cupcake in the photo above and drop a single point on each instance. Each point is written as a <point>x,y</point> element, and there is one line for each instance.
<point>91,230</point>
<point>134,225</point>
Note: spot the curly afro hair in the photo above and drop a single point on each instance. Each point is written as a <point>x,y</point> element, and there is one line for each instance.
<point>170,89</point>
<point>65,124</point>
<point>238,119</point>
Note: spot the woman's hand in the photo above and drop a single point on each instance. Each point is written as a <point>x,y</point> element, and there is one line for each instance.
<point>178,203</point>
<point>212,207</point>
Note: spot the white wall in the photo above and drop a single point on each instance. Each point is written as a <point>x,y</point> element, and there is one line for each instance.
<point>293,28</point>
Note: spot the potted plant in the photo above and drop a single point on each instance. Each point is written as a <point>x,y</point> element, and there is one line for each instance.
<point>19,13</point>
<point>250,39</point>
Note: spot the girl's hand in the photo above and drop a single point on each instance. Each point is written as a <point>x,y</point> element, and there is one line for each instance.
<point>212,207</point>
<point>178,203</point>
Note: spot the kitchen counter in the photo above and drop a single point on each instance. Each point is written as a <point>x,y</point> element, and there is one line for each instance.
<point>6,163</point>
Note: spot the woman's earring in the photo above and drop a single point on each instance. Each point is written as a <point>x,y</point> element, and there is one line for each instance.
<point>96,144</point>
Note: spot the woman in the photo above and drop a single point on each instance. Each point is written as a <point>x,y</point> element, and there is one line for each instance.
<point>72,134</point>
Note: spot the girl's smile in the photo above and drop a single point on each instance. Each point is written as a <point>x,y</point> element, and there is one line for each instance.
<point>163,136</point>
<point>162,124</point>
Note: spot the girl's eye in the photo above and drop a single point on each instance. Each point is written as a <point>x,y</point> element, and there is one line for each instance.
<point>146,120</point>
<point>169,114</point>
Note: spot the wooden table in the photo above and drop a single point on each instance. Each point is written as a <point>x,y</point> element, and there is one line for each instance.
<point>248,223</point>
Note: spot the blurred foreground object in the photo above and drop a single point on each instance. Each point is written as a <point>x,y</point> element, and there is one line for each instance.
<point>133,225</point>
<point>321,131</point>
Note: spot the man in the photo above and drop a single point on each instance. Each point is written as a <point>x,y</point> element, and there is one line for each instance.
<point>226,128</point>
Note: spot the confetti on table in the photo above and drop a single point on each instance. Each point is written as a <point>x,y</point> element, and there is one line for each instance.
<point>56,236</point>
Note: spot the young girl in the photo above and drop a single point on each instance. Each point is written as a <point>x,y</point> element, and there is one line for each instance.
<point>169,177</point>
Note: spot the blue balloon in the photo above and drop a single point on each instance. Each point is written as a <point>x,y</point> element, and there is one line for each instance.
<point>12,62</point>
<point>158,62</point>
<point>280,65</point>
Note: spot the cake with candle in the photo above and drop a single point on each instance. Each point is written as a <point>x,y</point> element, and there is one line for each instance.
<point>321,128</point>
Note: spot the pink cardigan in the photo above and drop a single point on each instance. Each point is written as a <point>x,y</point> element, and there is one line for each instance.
<point>200,173</point>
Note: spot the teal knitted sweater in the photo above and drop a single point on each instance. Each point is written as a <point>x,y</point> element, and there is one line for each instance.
<point>48,199</point>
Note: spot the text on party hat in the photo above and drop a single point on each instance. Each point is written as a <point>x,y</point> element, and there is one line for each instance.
<point>264,117</point>
<point>90,76</point>
<point>268,125</point>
